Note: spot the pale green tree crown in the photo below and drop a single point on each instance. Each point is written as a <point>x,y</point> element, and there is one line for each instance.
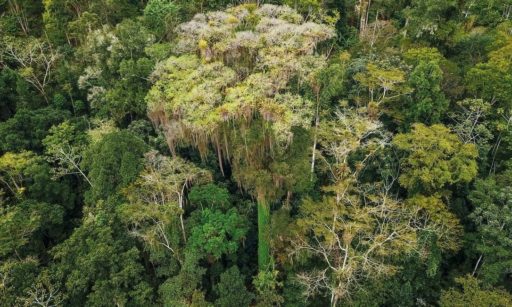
<point>237,65</point>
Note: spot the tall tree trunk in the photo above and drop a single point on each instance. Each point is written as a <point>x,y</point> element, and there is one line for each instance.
<point>363,9</point>
<point>263,233</point>
<point>315,140</point>
<point>219,156</point>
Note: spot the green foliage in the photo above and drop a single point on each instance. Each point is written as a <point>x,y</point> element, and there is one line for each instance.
<point>99,264</point>
<point>160,15</point>
<point>427,103</point>
<point>487,12</point>
<point>304,5</point>
<point>155,208</point>
<point>267,284</point>
<point>383,84</point>
<point>218,233</point>
<point>444,224</point>
<point>27,128</point>
<point>229,83</point>
<point>406,288</point>
<point>435,158</point>
<point>491,80</point>
<point>43,187</point>
<point>8,93</point>
<point>231,289</point>
<point>472,125</point>
<point>180,290</point>
<point>263,235</point>
<point>113,163</point>
<point>166,152</point>
<point>62,15</point>
<point>430,19</point>
<point>117,69</point>
<point>35,61</point>
<point>492,199</point>
<point>21,17</point>
<point>18,277</point>
<point>180,81</point>
<point>209,195</point>
<point>127,95</point>
<point>333,79</point>
<point>13,169</point>
<point>347,233</point>
<point>473,294</point>
<point>18,225</point>
<point>64,147</point>
<point>417,55</point>
<point>24,230</point>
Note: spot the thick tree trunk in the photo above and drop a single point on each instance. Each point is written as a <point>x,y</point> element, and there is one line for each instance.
<point>263,233</point>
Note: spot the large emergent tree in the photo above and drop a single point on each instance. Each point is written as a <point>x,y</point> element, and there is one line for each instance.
<point>231,88</point>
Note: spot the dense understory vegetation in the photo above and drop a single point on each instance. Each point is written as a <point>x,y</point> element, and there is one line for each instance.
<point>255,153</point>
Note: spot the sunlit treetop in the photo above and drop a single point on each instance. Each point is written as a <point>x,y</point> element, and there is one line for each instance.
<point>249,27</point>
<point>436,158</point>
<point>237,65</point>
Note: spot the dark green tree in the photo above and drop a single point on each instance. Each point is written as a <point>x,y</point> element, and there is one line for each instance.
<point>217,233</point>
<point>427,103</point>
<point>113,163</point>
<point>492,216</point>
<point>231,289</point>
<point>99,265</point>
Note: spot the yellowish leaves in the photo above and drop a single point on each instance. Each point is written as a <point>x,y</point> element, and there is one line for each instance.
<point>12,167</point>
<point>346,132</point>
<point>156,198</point>
<point>169,176</point>
<point>286,111</point>
<point>243,72</point>
<point>437,218</point>
<point>15,162</point>
<point>436,157</point>
<point>232,19</point>
<point>100,129</point>
<point>383,84</point>
<point>27,72</point>
<point>474,294</point>
<point>345,56</point>
<point>203,44</point>
<point>190,92</point>
<point>415,55</point>
<point>354,240</point>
